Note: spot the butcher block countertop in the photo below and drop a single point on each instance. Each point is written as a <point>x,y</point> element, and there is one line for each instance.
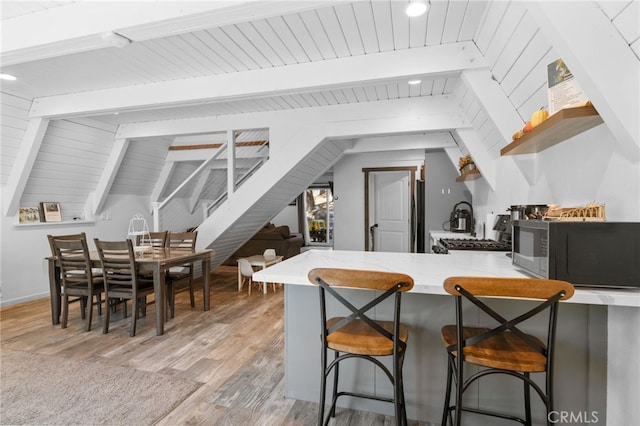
<point>428,271</point>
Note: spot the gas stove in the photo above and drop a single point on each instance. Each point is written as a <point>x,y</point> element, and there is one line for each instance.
<point>470,244</point>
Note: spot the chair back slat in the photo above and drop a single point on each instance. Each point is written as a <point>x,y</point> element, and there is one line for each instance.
<point>372,280</point>
<point>78,236</point>
<point>157,239</point>
<point>520,288</point>
<point>73,258</point>
<point>118,262</point>
<point>182,240</point>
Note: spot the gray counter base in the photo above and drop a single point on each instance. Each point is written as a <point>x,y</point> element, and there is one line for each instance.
<point>581,360</point>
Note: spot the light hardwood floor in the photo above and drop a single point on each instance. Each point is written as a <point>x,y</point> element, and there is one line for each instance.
<point>235,350</point>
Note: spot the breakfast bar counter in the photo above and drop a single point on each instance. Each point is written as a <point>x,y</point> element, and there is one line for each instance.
<point>597,364</point>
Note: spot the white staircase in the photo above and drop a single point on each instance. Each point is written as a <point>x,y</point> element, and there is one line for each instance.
<point>271,188</point>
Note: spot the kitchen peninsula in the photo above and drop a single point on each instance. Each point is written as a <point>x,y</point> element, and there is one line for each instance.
<point>596,370</point>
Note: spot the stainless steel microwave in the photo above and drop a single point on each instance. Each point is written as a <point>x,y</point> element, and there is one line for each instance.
<point>594,254</point>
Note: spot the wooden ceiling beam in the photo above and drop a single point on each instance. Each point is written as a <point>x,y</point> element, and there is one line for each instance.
<point>214,145</point>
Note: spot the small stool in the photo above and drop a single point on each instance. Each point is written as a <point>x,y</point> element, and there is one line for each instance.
<point>359,336</point>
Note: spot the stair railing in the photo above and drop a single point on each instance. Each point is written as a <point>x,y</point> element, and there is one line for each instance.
<point>208,208</point>
<point>157,206</point>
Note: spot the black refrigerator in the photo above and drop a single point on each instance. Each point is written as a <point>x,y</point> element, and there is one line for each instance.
<point>419,220</point>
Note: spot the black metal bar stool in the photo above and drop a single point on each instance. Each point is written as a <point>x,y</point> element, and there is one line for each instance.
<point>360,336</point>
<point>503,349</point>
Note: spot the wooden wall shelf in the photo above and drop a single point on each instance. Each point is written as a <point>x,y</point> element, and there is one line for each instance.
<point>472,174</point>
<point>560,126</point>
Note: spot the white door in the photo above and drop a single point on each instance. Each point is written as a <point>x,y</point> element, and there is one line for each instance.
<point>391,211</point>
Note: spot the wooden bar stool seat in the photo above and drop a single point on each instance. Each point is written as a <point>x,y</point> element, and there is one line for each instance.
<point>358,337</point>
<point>506,351</point>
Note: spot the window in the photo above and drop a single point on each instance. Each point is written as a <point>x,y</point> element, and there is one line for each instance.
<point>318,206</point>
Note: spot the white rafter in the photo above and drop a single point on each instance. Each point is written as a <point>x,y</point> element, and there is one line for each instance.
<point>24,161</point>
<point>57,34</point>
<point>448,59</point>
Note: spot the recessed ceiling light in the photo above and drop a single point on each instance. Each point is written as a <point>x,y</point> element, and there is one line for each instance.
<point>416,8</point>
<point>413,82</point>
<point>7,77</point>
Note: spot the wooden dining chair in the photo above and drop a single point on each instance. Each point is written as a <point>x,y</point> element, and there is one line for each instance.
<point>360,336</point>
<point>121,279</point>
<point>77,276</point>
<point>82,299</point>
<point>181,277</point>
<point>502,349</point>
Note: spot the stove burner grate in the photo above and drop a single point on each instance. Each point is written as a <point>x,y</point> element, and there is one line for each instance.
<point>469,244</point>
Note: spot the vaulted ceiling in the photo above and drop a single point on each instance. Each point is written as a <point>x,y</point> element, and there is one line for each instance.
<point>183,59</point>
<point>87,119</point>
<point>260,45</point>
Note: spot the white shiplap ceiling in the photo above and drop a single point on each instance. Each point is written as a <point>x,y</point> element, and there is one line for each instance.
<point>306,32</point>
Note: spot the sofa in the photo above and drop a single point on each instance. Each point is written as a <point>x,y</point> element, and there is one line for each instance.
<point>271,236</point>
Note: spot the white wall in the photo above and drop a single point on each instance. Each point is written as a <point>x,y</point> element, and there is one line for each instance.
<point>442,191</point>
<point>348,189</point>
<point>24,275</point>
<point>586,168</point>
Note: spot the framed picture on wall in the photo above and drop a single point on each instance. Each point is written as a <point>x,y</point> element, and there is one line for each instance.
<point>29,215</point>
<point>51,212</point>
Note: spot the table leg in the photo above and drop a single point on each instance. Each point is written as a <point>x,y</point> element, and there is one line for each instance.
<point>206,284</point>
<point>239,280</point>
<point>54,291</point>
<point>159,291</point>
<point>264,284</point>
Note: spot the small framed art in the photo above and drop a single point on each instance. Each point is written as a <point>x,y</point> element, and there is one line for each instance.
<point>29,215</point>
<point>51,212</point>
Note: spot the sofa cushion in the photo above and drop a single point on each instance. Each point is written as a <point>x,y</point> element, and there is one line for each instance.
<point>262,235</point>
<point>283,231</point>
<point>269,238</point>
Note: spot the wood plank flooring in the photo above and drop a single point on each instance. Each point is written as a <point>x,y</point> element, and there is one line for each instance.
<point>235,350</point>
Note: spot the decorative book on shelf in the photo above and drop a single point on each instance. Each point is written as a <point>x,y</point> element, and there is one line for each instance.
<point>50,212</point>
<point>29,215</point>
<point>564,90</point>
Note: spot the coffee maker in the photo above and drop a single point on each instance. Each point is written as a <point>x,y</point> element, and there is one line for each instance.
<point>461,218</point>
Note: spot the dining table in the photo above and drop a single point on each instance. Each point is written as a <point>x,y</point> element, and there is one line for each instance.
<point>156,262</point>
